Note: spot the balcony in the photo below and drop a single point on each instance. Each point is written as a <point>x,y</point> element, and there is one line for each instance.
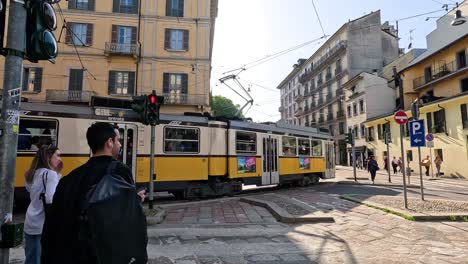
<point>438,74</point>
<point>299,112</point>
<point>121,49</point>
<point>305,77</point>
<point>321,120</point>
<point>67,96</point>
<point>298,98</point>
<point>336,50</point>
<point>340,114</point>
<point>330,117</point>
<point>186,99</point>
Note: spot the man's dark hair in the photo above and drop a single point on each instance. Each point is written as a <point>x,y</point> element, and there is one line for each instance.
<point>98,134</point>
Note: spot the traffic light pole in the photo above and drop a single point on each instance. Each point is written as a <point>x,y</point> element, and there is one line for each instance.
<point>402,133</point>
<point>354,161</point>
<point>151,178</point>
<point>9,122</point>
<point>420,174</point>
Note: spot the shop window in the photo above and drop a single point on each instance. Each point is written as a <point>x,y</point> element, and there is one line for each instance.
<point>181,140</point>
<point>246,142</point>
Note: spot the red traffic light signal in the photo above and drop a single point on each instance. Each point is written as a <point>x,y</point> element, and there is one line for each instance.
<point>152,99</point>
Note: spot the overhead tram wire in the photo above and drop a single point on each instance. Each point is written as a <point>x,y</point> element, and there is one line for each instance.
<point>318,17</point>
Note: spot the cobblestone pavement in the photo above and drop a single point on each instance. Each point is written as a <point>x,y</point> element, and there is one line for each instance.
<point>359,235</point>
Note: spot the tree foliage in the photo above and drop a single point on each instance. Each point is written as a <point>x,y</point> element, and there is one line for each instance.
<point>224,107</point>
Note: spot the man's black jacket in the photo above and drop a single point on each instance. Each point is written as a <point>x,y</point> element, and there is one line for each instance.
<point>60,242</point>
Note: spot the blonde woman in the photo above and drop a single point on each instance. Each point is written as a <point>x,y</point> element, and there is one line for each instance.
<point>41,180</point>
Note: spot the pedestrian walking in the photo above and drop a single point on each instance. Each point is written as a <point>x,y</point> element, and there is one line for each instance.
<point>438,161</point>
<point>386,163</point>
<point>395,165</point>
<point>427,164</point>
<point>372,167</point>
<point>400,165</point>
<point>73,238</point>
<point>41,180</point>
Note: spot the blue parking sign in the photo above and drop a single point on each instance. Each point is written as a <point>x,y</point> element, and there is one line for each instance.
<point>417,133</point>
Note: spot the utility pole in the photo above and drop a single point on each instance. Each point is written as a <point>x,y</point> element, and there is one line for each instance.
<point>9,121</point>
<point>152,175</point>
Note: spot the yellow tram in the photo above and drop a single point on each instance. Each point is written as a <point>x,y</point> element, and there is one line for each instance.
<point>195,155</point>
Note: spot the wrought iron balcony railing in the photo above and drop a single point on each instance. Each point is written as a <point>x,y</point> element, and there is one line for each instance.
<point>186,99</point>
<point>121,49</point>
<point>69,96</point>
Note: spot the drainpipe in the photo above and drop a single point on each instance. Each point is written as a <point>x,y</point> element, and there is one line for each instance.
<point>445,122</point>
<point>139,48</point>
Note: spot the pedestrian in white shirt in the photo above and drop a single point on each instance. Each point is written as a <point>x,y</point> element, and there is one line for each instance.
<point>41,180</point>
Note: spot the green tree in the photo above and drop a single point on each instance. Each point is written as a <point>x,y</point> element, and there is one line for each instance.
<point>222,106</point>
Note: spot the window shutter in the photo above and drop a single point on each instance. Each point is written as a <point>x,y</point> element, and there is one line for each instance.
<point>166,77</point>
<point>111,82</point>
<point>186,39</point>
<point>76,80</point>
<point>91,5</point>
<point>134,35</point>
<point>89,34</point>
<point>114,34</point>
<point>37,80</point>
<point>184,83</point>
<point>181,8</point>
<point>167,38</point>
<point>68,37</point>
<point>116,6</point>
<point>429,122</point>
<point>131,82</point>
<point>71,4</point>
<point>168,7</point>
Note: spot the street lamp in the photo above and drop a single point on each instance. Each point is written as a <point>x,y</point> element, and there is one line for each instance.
<point>459,19</point>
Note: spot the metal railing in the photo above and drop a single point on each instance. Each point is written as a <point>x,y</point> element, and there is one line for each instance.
<point>298,98</point>
<point>69,96</point>
<point>340,114</point>
<point>440,72</point>
<point>121,48</point>
<point>186,99</point>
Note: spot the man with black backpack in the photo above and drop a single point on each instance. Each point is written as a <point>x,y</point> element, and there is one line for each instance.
<point>96,214</point>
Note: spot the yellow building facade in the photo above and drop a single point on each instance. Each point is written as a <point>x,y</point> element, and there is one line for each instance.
<point>122,48</point>
<point>438,81</point>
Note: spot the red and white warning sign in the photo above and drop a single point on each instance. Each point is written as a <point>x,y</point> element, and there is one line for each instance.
<point>401,117</point>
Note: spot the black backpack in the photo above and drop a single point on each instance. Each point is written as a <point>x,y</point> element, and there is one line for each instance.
<point>112,221</point>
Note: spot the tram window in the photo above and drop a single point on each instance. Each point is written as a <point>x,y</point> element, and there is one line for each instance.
<point>181,140</point>
<point>317,148</point>
<point>246,142</point>
<point>304,147</point>
<point>289,146</point>
<point>36,133</point>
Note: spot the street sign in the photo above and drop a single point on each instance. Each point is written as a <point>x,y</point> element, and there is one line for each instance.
<point>429,137</point>
<point>416,129</point>
<point>430,144</point>
<point>400,117</point>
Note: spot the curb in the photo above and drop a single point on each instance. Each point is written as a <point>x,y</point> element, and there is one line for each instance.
<point>156,219</point>
<point>283,216</point>
<point>408,215</point>
<point>349,182</point>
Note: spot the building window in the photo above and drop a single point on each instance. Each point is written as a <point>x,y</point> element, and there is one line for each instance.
<point>370,133</point>
<point>176,39</point>
<point>349,111</point>
<point>363,131</point>
<point>75,81</point>
<point>428,74</point>
<point>32,80</point>
<point>439,121</point>
<point>464,85</point>
<point>175,8</point>
<point>35,133</point>
<point>246,142</point>
<point>121,82</point>
<point>289,146</point>
<point>341,128</point>
<point>331,128</point>
<point>79,34</point>
<point>182,140</point>
<point>356,132</point>
<point>355,109</point>
<point>429,122</point>
<point>175,87</point>
<point>81,4</point>
<point>125,6</point>
<point>464,115</point>
<point>409,155</point>
<point>461,59</point>
<point>361,106</point>
<point>123,39</point>
<point>304,147</point>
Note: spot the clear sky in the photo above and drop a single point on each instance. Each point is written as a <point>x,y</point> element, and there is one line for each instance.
<point>247,30</point>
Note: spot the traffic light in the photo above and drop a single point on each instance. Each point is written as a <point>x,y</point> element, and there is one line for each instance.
<point>153,104</point>
<point>41,22</point>
<point>349,138</point>
<point>139,105</point>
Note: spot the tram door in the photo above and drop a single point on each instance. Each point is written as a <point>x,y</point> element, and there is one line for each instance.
<point>128,140</point>
<point>329,160</point>
<point>270,162</point>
